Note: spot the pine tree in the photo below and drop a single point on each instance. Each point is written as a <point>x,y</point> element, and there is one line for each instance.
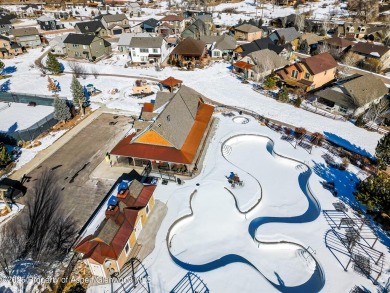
<point>382,151</point>
<point>52,64</point>
<point>5,157</point>
<point>282,94</point>
<point>2,65</point>
<point>78,94</point>
<point>51,86</point>
<point>359,121</point>
<point>374,192</point>
<point>298,102</point>
<point>270,82</point>
<point>61,110</point>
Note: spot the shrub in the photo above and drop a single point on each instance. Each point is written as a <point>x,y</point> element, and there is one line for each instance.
<point>283,95</point>
<point>299,132</point>
<point>359,121</point>
<point>317,138</point>
<point>298,102</point>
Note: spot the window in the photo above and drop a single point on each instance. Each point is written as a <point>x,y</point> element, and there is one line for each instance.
<point>147,209</point>
<point>307,75</point>
<point>127,249</point>
<point>85,47</point>
<point>217,54</point>
<point>294,73</point>
<point>75,45</point>
<point>343,109</point>
<point>155,50</point>
<point>143,50</point>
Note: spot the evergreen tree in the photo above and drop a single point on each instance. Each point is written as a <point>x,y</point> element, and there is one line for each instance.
<point>298,102</point>
<point>270,82</point>
<point>260,24</point>
<point>382,151</point>
<point>374,192</point>
<point>5,157</point>
<point>52,64</point>
<point>283,94</point>
<point>61,110</point>
<point>2,65</point>
<point>51,86</point>
<point>359,121</point>
<point>78,94</point>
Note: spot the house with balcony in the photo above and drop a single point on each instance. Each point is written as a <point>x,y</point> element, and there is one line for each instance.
<point>84,46</point>
<point>107,249</point>
<point>220,46</point>
<point>310,73</point>
<point>116,24</point>
<point>352,96</point>
<point>189,52</point>
<point>148,49</point>
<point>94,27</point>
<point>27,37</point>
<point>9,48</point>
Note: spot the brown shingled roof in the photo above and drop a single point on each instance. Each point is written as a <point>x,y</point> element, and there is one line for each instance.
<point>370,49</point>
<point>320,63</point>
<point>190,47</point>
<point>338,42</point>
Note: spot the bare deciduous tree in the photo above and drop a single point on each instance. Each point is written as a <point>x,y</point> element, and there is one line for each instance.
<point>77,68</point>
<point>376,110</point>
<point>366,10</point>
<point>350,60</point>
<point>299,22</point>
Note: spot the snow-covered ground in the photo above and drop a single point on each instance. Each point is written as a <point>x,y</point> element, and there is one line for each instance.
<point>18,116</point>
<point>217,240</point>
<point>216,82</point>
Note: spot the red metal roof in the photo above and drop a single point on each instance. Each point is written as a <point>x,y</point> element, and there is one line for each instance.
<point>243,65</point>
<point>169,154</point>
<point>171,81</point>
<point>148,107</point>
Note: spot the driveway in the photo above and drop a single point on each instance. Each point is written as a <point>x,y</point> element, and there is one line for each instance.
<point>76,159</point>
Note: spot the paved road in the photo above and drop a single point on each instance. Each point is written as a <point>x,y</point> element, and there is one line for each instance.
<point>76,159</point>
<point>353,70</point>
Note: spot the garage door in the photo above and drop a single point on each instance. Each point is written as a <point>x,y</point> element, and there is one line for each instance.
<point>138,228</point>
<point>117,32</point>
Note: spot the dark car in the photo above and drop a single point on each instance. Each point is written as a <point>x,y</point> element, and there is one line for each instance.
<point>15,189</point>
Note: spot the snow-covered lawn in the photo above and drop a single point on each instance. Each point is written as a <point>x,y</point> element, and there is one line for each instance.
<point>18,116</point>
<point>217,240</point>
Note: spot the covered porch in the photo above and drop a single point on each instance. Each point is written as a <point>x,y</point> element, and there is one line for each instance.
<point>171,83</point>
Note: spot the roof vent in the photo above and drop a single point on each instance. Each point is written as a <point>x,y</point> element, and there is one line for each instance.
<point>159,125</point>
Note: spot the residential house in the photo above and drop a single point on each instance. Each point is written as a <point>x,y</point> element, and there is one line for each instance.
<point>246,32</point>
<point>286,36</point>
<point>115,24</point>
<point>370,50</point>
<point>84,46</point>
<point>108,249</point>
<point>30,10</point>
<point>27,37</point>
<point>134,9</point>
<point>150,25</point>
<point>94,27</point>
<point>284,21</point>
<point>58,46</point>
<point>48,23</point>
<point>207,19</point>
<point>56,4</point>
<point>9,48</point>
<point>353,95</point>
<point>259,64</point>
<point>174,138</point>
<point>261,44</point>
<point>174,22</point>
<point>189,51</point>
<point>360,31</point>
<point>125,40</point>
<point>310,73</point>
<point>196,30</point>
<point>6,21</point>
<point>337,44</point>
<point>308,43</point>
<point>148,49</point>
<point>220,46</point>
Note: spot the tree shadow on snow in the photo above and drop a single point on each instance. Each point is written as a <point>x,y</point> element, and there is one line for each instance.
<point>8,70</point>
<point>12,128</point>
<point>346,144</point>
<point>5,87</point>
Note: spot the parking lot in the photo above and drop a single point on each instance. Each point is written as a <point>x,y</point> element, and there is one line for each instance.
<point>75,160</point>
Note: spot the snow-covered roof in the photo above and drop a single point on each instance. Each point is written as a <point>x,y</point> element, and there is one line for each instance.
<point>125,38</point>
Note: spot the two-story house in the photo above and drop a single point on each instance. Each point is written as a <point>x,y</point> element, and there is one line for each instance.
<point>286,36</point>
<point>8,48</point>
<point>6,21</point>
<point>150,25</point>
<point>48,23</point>
<point>115,24</point>
<point>148,49</point>
<point>353,30</point>
<point>174,22</point>
<point>108,248</point>
<point>134,9</point>
<point>246,32</point>
<point>57,45</point>
<point>371,50</point>
<point>310,73</point>
<point>94,27</point>
<point>83,46</point>
<point>125,39</point>
<point>27,37</point>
